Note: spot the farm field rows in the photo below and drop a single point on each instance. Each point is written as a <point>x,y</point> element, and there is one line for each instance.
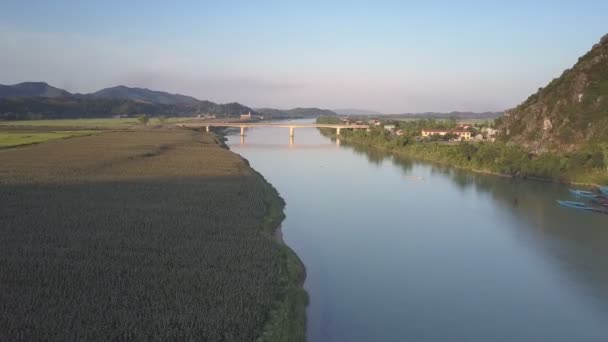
<point>19,138</point>
<point>142,235</point>
<point>86,123</point>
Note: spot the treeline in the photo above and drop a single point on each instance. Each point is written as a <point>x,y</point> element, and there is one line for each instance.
<point>586,165</point>
<point>31,108</point>
<point>295,113</point>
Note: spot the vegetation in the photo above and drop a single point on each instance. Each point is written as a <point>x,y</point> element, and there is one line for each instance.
<point>12,139</point>
<point>570,113</point>
<point>296,113</point>
<point>99,123</point>
<point>143,119</point>
<point>585,165</point>
<point>143,235</point>
<point>38,100</point>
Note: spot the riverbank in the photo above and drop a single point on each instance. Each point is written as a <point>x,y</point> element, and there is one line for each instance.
<point>488,158</point>
<point>146,234</point>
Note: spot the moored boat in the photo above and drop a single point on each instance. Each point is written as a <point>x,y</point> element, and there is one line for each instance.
<point>604,190</point>
<point>600,201</point>
<point>573,204</point>
<point>583,193</point>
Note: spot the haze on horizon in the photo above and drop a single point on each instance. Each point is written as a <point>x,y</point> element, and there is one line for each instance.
<point>389,56</point>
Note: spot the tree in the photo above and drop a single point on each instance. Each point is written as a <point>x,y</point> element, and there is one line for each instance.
<point>604,147</point>
<point>143,119</point>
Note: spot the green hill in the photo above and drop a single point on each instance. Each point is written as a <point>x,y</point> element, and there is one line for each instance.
<point>145,95</point>
<point>31,89</point>
<point>569,114</point>
<point>38,100</point>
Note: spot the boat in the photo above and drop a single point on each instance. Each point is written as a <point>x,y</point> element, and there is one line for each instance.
<point>604,190</point>
<point>600,201</point>
<point>583,193</point>
<point>575,205</point>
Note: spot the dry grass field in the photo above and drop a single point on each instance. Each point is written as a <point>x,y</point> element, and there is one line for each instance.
<point>142,235</point>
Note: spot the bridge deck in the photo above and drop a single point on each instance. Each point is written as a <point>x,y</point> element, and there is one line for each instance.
<point>260,124</point>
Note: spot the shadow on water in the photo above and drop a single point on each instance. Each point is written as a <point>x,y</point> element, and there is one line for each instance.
<point>574,242</point>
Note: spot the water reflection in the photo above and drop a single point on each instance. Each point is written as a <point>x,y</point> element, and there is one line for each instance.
<point>460,256</point>
<point>574,241</point>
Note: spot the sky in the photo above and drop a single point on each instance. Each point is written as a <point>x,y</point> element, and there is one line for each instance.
<point>388,56</point>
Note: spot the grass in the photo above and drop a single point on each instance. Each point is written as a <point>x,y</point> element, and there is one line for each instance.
<point>86,123</point>
<point>13,139</point>
<point>143,235</point>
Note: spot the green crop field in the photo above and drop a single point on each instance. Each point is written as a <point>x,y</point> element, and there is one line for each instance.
<point>14,138</point>
<point>142,235</point>
<point>86,123</point>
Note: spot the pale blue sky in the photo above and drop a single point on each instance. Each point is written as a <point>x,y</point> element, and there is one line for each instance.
<point>391,56</point>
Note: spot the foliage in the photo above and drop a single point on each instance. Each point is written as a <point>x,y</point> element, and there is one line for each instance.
<point>570,113</point>
<point>295,113</point>
<point>143,119</point>
<point>87,106</point>
<point>486,156</point>
<point>142,235</point>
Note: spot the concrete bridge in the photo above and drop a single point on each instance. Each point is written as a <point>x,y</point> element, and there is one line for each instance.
<point>291,126</point>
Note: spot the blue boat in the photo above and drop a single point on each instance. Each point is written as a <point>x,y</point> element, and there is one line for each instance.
<point>604,190</point>
<point>582,193</point>
<point>575,205</point>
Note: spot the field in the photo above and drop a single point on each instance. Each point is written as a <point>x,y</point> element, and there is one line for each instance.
<point>108,123</point>
<point>142,235</point>
<point>14,138</point>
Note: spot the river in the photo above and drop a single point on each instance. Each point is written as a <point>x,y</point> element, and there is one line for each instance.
<point>459,256</point>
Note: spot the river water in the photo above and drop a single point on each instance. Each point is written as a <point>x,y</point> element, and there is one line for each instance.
<point>457,257</point>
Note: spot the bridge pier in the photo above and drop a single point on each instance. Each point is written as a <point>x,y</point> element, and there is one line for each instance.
<point>338,130</point>
<point>207,129</point>
<point>291,131</point>
<point>242,131</point>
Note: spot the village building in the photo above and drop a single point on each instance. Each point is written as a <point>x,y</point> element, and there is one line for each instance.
<point>462,135</point>
<point>246,116</point>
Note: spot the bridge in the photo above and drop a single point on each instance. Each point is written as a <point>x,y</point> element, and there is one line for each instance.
<point>291,126</point>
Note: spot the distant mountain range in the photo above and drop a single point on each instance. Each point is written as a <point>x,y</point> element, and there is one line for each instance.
<point>29,89</point>
<point>353,111</point>
<point>145,95</point>
<point>35,100</point>
<point>296,113</point>
<point>454,115</point>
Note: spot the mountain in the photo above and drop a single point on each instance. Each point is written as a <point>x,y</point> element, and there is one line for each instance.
<point>450,115</point>
<point>295,113</point>
<point>145,95</point>
<point>31,89</point>
<point>353,111</point>
<point>568,114</point>
<point>37,100</point>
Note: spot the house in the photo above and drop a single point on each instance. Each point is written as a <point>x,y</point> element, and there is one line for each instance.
<point>400,133</point>
<point>489,132</point>
<point>461,134</point>
<point>246,116</point>
<point>389,127</point>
